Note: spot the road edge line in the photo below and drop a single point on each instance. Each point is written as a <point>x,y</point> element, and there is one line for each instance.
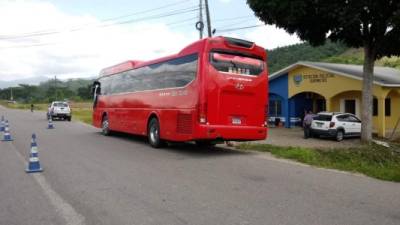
<point>69,214</point>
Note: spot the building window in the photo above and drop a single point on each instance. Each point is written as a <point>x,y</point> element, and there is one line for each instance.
<point>375,107</point>
<point>387,107</point>
<point>275,107</point>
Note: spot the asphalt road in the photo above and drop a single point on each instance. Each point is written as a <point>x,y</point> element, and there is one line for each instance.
<point>92,179</point>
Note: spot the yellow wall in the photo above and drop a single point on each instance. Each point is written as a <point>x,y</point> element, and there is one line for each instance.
<point>334,87</point>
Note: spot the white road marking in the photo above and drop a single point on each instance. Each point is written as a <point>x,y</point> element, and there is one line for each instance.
<point>69,214</point>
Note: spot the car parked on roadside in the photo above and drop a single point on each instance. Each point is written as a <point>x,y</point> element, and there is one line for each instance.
<point>336,124</point>
<point>60,110</point>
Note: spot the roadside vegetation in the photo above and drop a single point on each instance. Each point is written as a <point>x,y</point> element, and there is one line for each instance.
<point>282,57</point>
<point>81,111</point>
<point>330,52</point>
<point>372,160</point>
<point>52,90</point>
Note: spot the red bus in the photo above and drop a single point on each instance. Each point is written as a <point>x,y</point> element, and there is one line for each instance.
<point>213,90</point>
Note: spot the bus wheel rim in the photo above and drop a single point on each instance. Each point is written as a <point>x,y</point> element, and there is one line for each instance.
<point>153,133</point>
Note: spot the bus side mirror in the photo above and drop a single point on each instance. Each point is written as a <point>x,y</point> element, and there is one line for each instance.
<point>96,90</point>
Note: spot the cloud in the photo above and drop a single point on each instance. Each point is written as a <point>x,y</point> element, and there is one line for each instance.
<point>80,53</point>
<point>82,46</point>
<point>271,37</point>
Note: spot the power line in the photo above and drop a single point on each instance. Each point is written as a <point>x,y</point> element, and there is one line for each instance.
<point>162,15</point>
<point>173,13</point>
<point>221,20</point>
<point>104,20</point>
<point>232,18</point>
<point>188,21</point>
<point>236,23</point>
<point>146,11</point>
<point>179,23</point>
<point>240,28</point>
<point>28,46</point>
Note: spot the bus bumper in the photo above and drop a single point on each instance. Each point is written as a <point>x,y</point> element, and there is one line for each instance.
<point>237,133</point>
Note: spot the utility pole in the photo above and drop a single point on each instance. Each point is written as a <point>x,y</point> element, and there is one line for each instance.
<point>55,87</point>
<point>201,26</point>
<point>208,19</point>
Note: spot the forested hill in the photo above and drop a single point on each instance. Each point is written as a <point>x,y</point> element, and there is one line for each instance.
<point>280,58</point>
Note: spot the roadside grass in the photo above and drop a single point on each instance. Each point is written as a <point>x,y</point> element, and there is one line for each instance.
<point>81,111</point>
<point>374,160</point>
<point>82,114</point>
<point>39,107</point>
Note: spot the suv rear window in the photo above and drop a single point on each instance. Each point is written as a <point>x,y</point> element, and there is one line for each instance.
<point>235,63</point>
<point>59,104</point>
<point>323,117</point>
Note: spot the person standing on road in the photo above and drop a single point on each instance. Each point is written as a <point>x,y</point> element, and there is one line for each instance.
<point>307,124</point>
<point>32,106</point>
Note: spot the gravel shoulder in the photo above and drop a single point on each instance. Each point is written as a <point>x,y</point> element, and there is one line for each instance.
<point>294,137</point>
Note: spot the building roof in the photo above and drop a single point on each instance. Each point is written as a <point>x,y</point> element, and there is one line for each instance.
<point>384,76</point>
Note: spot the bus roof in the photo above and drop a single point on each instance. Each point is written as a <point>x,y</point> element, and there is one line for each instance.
<point>132,64</point>
<point>124,66</point>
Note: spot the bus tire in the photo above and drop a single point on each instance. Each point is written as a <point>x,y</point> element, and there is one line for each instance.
<point>153,133</point>
<point>105,126</point>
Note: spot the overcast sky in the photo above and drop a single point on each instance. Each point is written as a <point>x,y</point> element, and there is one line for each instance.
<point>77,38</point>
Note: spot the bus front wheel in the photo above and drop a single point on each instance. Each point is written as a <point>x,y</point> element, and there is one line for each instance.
<point>154,134</point>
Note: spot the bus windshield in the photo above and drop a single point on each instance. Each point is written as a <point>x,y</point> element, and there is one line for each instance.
<point>231,63</point>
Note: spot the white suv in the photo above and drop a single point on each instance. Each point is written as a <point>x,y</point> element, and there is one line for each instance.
<point>337,125</point>
<point>60,110</point>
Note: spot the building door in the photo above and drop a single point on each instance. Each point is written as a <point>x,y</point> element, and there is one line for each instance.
<point>320,105</point>
<point>350,106</point>
<point>308,104</point>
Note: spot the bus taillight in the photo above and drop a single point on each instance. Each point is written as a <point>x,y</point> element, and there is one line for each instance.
<point>203,113</point>
<point>266,116</point>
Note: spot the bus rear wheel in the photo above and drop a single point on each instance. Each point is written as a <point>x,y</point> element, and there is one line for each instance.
<point>105,126</point>
<point>153,134</point>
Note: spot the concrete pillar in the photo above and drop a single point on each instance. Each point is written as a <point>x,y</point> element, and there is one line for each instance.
<point>328,105</point>
<point>381,117</point>
<point>287,116</point>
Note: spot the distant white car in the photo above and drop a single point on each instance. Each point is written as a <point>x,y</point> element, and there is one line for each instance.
<point>59,110</point>
<point>337,125</point>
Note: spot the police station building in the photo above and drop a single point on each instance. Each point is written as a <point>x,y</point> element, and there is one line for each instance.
<point>333,87</point>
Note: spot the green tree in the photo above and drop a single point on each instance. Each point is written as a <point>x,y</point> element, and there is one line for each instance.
<point>84,92</point>
<point>370,24</point>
